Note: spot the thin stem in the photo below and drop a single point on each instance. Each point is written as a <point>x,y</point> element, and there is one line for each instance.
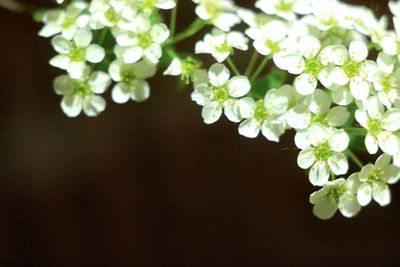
<point>194,28</point>
<point>102,36</point>
<point>172,24</point>
<point>259,69</point>
<point>252,63</point>
<point>233,66</point>
<point>355,159</point>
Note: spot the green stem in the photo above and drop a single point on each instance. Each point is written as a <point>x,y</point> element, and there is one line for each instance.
<point>194,28</point>
<point>102,36</point>
<point>355,159</point>
<point>172,24</point>
<point>252,63</point>
<point>259,69</point>
<point>233,66</point>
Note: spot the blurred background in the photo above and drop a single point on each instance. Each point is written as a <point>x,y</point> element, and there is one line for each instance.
<point>151,185</point>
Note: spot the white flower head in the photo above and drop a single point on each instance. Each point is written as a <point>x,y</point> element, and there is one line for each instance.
<point>265,115</point>
<point>186,68</point>
<point>220,94</point>
<point>82,94</point>
<point>322,150</point>
<point>74,54</point>
<point>286,9</point>
<point>131,80</point>
<point>382,126</point>
<point>220,44</point>
<point>316,108</point>
<point>66,21</point>
<point>221,13</point>
<point>144,42</point>
<point>375,180</point>
<point>338,194</point>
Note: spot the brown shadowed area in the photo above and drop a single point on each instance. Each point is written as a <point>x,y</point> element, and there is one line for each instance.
<point>151,185</point>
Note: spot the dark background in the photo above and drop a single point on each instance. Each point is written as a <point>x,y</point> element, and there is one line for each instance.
<point>151,185</point>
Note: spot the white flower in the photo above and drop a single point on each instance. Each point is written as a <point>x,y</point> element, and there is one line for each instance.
<point>66,22</point>
<point>382,126</point>
<point>352,68</point>
<point>322,151</point>
<point>221,13</point>
<point>268,39</point>
<point>185,68</point>
<point>110,13</point>
<point>149,6</point>
<point>306,62</point>
<point>286,9</point>
<point>336,194</point>
<point>386,80</point>
<point>266,115</point>
<point>74,54</point>
<point>82,94</point>
<point>145,42</point>
<point>316,108</point>
<point>375,180</point>
<point>220,93</point>
<point>131,81</point>
<point>220,44</point>
<point>394,7</point>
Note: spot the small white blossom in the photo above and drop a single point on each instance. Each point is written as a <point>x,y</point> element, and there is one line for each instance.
<point>66,22</point>
<point>221,13</point>
<point>375,180</point>
<point>82,94</point>
<point>220,44</point>
<point>131,81</point>
<point>316,108</point>
<point>382,126</point>
<point>322,151</point>
<point>286,9</point>
<point>74,54</point>
<point>265,115</point>
<point>338,194</point>
<point>220,93</point>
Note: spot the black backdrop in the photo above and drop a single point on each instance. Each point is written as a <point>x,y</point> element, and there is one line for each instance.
<point>151,185</point>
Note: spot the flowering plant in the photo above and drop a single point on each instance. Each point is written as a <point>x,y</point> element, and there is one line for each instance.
<point>326,69</point>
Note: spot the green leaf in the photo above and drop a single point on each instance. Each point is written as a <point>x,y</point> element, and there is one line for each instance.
<point>274,79</point>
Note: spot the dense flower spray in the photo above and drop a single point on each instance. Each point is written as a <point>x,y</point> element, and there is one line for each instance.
<point>325,69</point>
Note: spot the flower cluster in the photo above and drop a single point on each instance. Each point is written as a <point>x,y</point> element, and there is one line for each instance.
<point>105,42</point>
<point>338,82</point>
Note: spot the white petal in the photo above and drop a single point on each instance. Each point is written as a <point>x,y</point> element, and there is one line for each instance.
<point>139,90</point>
<point>305,84</point>
<point>326,208</point>
<point>120,94</point>
<point>306,158</point>
<point>319,173</point>
<point>153,53</point>
<point>238,86</point>
<point>99,82</point>
<point>389,143</point>
<point>250,128</point>
<point>247,106</point>
<point>391,120</point>
<point>337,116</point>
<point>358,51</point>
<point>348,205</point>
<point>371,144</point>
<point>71,105</point>
<point>298,117</point>
<point>339,141</point>
<point>218,75</point>
<point>94,105</point>
<point>63,85</point>
<point>159,33</point>
<point>359,88</point>
<point>83,37</point>
<point>61,45</point>
<point>338,164</point>
<point>95,53</point>
<point>381,193</point>
<point>364,194</point>
<point>232,111</point>
<point>211,112</point>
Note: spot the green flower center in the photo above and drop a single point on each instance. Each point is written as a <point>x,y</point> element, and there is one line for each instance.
<point>112,16</point>
<point>352,68</point>
<point>337,192</point>
<point>322,152</point>
<point>387,83</point>
<point>127,76</point>
<point>375,175</point>
<point>212,9</point>
<point>374,127</point>
<point>145,40</point>
<point>148,5</point>
<point>319,118</point>
<point>224,48</point>
<point>274,47</point>
<point>83,89</point>
<point>77,54</point>
<point>221,94</point>
<point>68,22</point>
<point>313,66</point>
<point>284,6</point>
<point>261,112</point>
